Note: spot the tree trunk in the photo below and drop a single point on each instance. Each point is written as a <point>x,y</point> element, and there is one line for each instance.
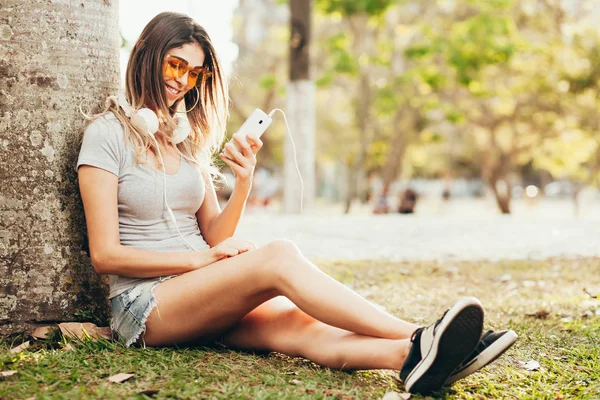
<point>392,167</point>
<point>360,45</point>
<point>575,198</point>
<point>301,107</point>
<point>496,166</point>
<point>350,187</point>
<point>56,56</point>
<point>502,199</point>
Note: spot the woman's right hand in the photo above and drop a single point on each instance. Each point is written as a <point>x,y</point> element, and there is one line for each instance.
<point>231,247</point>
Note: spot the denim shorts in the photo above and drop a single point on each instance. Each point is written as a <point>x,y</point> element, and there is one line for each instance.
<point>131,309</point>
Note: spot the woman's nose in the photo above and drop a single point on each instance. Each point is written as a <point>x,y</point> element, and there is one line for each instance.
<point>183,79</point>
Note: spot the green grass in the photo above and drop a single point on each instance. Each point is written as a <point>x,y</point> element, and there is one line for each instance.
<point>566,343</point>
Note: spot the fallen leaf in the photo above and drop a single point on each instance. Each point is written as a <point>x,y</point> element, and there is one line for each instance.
<point>149,392</point>
<point>336,394</point>
<point>42,332</point>
<point>587,314</point>
<point>296,382</point>
<point>530,365</point>
<point>20,347</point>
<point>396,396</point>
<point>118,378</point>
<point>5,374</point>
<point>541,314</point>
<point>511,286</point>
<point>594,293</point>
<point>83,329</point>
<point>590,304</point>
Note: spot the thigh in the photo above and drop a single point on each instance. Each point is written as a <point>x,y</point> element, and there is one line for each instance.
<point>204,303</point>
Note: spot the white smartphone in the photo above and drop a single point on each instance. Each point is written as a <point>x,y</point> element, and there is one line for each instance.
<point>256,124</point>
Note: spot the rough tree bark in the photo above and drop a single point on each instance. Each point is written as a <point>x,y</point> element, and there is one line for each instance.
<point>55,56</point>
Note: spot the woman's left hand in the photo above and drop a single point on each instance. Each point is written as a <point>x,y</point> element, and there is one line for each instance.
<point>240,155</point>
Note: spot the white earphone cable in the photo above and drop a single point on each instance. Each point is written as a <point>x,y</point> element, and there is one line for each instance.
<point>295,157</point>
<point>169,210</point>
<point>164,173</point>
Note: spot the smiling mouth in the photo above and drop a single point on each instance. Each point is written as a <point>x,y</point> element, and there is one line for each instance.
<point>173,91</point>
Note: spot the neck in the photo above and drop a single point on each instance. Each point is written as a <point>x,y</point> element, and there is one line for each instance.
<point>162,140</point>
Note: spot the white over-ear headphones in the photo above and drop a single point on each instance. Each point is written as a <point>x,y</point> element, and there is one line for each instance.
<point>146,120</point>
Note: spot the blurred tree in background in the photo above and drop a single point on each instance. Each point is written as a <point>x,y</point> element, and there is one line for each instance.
<point>432,89</point>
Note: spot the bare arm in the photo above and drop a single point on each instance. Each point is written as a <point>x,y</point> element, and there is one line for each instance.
<point>217,225</point>
<point>99,194</point>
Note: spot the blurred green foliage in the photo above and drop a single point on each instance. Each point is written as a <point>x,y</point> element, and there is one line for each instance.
<point>352,7</point>
<point>496,89</point>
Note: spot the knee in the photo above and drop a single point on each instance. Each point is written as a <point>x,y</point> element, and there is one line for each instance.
<point>279,253</point>
<point>297,331</point>
<point>280,259</point>
<point>282,249</point>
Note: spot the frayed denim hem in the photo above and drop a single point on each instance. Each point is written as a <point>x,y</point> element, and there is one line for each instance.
<point>131,310</point>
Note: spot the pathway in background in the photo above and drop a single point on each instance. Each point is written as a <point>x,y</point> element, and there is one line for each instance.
<point>466,236</point>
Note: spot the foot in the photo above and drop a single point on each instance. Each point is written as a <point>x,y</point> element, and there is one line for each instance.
<point>437,350</point>
<point>491,346</point>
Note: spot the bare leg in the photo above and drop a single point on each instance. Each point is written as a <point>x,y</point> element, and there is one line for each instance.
<point>210,300</point>
<point>288,330</point>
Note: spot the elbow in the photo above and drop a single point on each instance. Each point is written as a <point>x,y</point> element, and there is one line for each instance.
<point>98,262</point>
<point>102,261</point>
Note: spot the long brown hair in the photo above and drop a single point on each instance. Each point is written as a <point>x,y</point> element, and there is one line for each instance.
<point>145,87</point>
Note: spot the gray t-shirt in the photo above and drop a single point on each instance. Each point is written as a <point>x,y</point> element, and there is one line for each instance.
<point>144,222</point>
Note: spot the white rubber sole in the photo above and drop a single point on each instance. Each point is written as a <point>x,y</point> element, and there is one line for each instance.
<point>487,356</point>
<point>456,338</point>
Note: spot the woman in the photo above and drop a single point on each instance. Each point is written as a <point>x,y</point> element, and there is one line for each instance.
<point>177,275</point>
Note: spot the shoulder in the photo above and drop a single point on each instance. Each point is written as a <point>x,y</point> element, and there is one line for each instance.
<point>105,128</point>
<point>107,124</point>
<point>103,144</point>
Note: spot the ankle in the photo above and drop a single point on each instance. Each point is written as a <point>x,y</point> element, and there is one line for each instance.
<point>402,353</point>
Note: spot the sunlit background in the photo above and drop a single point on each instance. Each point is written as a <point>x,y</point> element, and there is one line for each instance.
<point>215,16</point>
<point>476,107</point>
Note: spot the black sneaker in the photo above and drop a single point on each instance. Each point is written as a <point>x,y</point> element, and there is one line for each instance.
<point>438,349</point>
<point>491,346</point>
